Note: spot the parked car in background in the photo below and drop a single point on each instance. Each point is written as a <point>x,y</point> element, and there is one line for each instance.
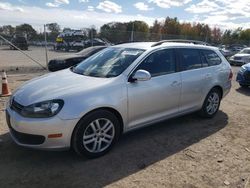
<point>230,50</point>
<point>71,60</point>
<point>243,76</point>
<point>227,52</point>
<point>76,40</point>
<point>241,58</point>
<point>20,42</point>
<point>95,42</point>
<point>119,89</point>
<point>70,40</point>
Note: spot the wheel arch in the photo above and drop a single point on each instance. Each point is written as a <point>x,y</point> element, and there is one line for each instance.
<point>219,88</point>
<point>112,110</point>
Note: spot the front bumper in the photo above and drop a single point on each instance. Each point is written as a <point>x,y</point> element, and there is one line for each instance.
<point>241,78</point>
<point>237,62</point>
<point>33,132</point>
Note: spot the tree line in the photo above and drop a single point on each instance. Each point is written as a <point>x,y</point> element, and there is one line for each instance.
<point>119,32</point>
<point>29,32</point>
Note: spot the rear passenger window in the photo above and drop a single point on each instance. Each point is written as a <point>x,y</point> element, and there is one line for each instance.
<point>211,57</point>
<point>159,63</point>
<point>190,59</point>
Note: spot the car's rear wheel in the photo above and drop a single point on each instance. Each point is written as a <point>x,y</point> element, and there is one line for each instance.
<point>96,133</point>
<point>211,104</point>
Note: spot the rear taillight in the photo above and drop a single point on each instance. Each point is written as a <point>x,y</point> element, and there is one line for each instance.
<point>230,75</point>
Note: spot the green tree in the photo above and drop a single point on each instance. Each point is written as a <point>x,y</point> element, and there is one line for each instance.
<point>245,35</point>
<point>115,32</point>
<point>156,31</point>
<point>26,30</point>
<point>216,35</point>
<point>140,30</point>
<point>7,30</point>
<point>227,37</point>
<point>54,30</point>
<point>171,26</point>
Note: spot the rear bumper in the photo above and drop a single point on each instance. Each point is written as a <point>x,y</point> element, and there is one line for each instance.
<point>227,88</point>
<point>33,133</point>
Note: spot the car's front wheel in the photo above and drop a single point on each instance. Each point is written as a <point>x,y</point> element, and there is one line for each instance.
<point>96,133</point>
<point>211,104</point>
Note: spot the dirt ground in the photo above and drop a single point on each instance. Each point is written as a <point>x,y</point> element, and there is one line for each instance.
<point>12,59</point>
<point>184,152</point>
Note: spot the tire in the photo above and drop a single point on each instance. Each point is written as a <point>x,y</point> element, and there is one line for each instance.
<point>96,142</point>
<point>211,104</point>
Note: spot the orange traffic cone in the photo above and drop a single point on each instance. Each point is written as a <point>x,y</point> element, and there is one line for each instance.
<point>5,89</point>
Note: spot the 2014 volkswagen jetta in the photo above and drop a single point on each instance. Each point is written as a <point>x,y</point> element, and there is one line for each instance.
<point>117,90</point>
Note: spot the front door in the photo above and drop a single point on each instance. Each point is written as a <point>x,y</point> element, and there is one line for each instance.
<point>158,97</point>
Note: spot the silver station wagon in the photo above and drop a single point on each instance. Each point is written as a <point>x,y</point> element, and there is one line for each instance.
<point>121,88</point>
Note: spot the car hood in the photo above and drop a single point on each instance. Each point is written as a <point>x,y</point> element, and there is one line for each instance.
<point>242,55</point>
<point>56,85</point>
<point>247,66</point>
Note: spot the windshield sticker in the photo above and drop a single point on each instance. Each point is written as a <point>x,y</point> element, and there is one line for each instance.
<point>134,53</point>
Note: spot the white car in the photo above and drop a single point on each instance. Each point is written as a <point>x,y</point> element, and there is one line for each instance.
<point>118,89</point>
<point>241,58</point>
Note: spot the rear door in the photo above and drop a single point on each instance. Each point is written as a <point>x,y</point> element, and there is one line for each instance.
<point>193,77</point>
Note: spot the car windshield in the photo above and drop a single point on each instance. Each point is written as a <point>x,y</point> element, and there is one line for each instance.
<point>109,62</point>
<point>245,51</point>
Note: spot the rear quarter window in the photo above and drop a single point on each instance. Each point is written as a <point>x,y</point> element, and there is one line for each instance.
<point>211,57</point>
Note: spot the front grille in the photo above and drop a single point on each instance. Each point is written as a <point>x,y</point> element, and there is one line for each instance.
<point>237,58</point>
<point>16,106</point>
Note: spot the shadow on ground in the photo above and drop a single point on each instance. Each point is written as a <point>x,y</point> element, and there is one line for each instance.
<point>244,90</point>
<point>22,167</point>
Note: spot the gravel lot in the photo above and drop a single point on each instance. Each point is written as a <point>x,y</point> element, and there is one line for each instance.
<point>185,152</point>
<point>12,59</point>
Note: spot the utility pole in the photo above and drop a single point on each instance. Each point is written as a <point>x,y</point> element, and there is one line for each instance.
<point>46,49</point>
<point>132,34</point>
<point>91,36</point>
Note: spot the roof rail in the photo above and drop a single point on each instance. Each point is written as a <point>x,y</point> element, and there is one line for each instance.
<point>181,41</point>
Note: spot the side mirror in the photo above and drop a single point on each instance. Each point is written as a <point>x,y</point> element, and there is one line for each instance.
<point>141,75</point>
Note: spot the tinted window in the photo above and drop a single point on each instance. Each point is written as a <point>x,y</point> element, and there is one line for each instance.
<point>159,63</point>
<point>211,57</point>
<point>190,59</point>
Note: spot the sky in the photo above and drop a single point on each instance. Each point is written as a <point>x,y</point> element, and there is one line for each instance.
<point>77,14</point>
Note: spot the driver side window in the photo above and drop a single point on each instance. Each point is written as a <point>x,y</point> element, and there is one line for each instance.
<point>159,63</point>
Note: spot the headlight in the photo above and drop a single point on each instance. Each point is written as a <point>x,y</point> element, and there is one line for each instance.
<point>43,109</point>
<point>242,69</point>
<point>247,59</point>
<point>231,58</point>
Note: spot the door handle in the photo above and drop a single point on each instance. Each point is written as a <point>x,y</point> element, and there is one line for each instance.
<point>175,83</point>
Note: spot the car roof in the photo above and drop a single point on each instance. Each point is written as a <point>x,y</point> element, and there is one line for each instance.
<point>148,45</point>
<point>139,45</point>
